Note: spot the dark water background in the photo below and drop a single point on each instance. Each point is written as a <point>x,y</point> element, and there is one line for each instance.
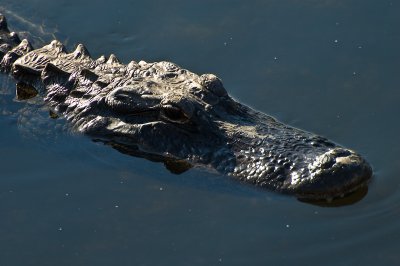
<point>330,67</point>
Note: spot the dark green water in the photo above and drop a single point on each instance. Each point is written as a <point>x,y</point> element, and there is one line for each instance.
<point>330,67</point>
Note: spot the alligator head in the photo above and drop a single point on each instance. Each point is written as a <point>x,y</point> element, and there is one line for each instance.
<point>167,112</point>
<point>163,112</point>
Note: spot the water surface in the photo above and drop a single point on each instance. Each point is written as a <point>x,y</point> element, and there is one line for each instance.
<point>330,67</point>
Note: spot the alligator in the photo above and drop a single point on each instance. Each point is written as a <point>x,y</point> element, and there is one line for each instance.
<point>162,112</point>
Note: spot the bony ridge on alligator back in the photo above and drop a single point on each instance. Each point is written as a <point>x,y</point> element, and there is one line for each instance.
<point>163,112</point>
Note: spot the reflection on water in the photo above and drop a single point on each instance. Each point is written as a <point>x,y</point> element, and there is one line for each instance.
<point>350,199</point>
<point>330,67</point>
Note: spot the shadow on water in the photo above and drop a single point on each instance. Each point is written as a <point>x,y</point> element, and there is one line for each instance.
<point>350,199</point>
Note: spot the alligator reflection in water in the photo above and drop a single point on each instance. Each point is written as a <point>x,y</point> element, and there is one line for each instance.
<point>162,112</point>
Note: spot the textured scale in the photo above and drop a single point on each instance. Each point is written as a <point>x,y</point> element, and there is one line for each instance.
<point>165,113</point>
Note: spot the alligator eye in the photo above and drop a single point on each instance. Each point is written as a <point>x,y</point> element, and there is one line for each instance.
<point>174,114</point>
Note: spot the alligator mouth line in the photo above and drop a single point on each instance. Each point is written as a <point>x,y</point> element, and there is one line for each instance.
<point>352,196</point>
<point>334,194</point>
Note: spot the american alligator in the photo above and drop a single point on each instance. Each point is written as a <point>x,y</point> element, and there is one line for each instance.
<point>163,112</point>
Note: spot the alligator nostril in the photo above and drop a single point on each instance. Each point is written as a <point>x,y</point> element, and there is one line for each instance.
<point>327,161</point>
<point>339,152</point>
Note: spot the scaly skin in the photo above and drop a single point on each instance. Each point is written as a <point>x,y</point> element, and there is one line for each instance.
<point>162,112</point>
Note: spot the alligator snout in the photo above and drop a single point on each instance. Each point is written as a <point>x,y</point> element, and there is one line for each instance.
<point>297,162</point>
<point>332,174</point>
<point>335,173</point>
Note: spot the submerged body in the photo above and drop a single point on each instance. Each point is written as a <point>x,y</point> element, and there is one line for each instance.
<point>162,112</point>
